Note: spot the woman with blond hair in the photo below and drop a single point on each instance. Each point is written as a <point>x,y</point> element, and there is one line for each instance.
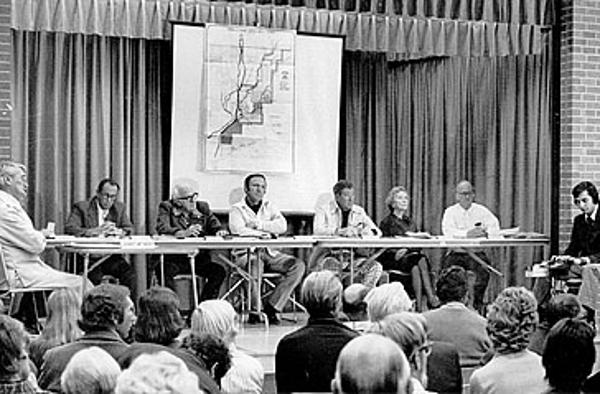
<point>61,325</point>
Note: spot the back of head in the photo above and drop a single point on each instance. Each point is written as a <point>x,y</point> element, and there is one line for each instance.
<point>90,371</point>
<point>511,319</point>
<point>407,329</point>
<point>216,317</point>
<point>213,352</point>
<point>158,318</point>
<point>13,340</point>
<point>561,306</point>
<point>569,354</point>
<point>371,363</point>
<point>102,307</point>
<point>322,293</point>
<point>354,304</point>
<point>64,311</point>
<point>159,372</point>
<point>452,284</point>
<point>387,299</point>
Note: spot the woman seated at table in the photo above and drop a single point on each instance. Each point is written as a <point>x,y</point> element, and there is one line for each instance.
<point>409,261</point>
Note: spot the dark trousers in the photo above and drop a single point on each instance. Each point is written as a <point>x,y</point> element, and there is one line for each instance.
<point>115,266</point>
<point>205,266</point>
<point>482,276</point>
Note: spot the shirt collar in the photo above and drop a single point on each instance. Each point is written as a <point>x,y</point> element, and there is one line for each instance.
<point>593,215</point>
<point>9,198</point>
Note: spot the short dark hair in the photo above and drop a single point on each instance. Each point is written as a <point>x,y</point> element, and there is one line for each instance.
<point>13,340</point>
<point>452,284</point>
<point>569,354</point>
<point>561,306</point>
<point>109,181</point>
<point>211,350</point>
<point>249,177</point>
<point>341,185</point>
<point>585,186</point>
<point>103,307</point>
<point>158,318</point>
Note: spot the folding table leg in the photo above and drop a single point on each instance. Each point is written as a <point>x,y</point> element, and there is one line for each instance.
<point>192,257</point>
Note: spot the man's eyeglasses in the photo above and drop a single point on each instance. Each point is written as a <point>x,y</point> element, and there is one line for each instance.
<point>108,196</point>
<point>190,198</point>
<point>467,194</point>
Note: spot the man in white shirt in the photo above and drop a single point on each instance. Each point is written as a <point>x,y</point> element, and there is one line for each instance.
<point>468,219</point>
<point>256,216</point>
<point>343,218</point>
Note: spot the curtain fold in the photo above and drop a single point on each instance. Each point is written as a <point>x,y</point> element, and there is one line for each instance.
<point>447,32</point>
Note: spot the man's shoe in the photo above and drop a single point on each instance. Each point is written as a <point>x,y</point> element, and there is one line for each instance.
<point>271,314</point>
<point>254,318</point>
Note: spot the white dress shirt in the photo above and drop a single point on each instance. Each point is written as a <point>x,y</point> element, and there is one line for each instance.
<point>457,220</point>
<point>328,220</point>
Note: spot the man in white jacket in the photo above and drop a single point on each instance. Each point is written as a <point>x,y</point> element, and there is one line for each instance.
<point>256,216</point>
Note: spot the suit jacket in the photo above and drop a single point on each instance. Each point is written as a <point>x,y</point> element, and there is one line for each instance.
<point>305,359</point>
<point>56,359</point>
<point>443,369</point>
<point>172,218</point>
<point>194,364</point>
<point>585,239</point>
<point>84,216</point>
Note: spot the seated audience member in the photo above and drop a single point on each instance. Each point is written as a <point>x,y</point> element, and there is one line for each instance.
<point>344,218</point>
<point>559,307</point>
<point>217,317</point>
<point>409,331</point>
<point>157,327</point>
<point>14,363</point>
<point>411,261</point>
<point>160,372</point>
<point>371,363</point>
<point>455,323</point>
<point>61,324</point>
<point>511,319</point>
<point>467,219</point>
<point>256,216</point>
<point>107,315</point>
<point>90,370</point>
<point>354,305</point>
<point>21,243</point>
<point>443,372</point>
<point>569,356</point>
<point>184,216</point>
<point>305,359</point>
<point>103,216</point>
<point>213,352</point>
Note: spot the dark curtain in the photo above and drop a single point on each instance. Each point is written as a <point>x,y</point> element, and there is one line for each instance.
<point>428,124</point>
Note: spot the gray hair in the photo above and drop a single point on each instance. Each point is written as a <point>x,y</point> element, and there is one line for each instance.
<point>215,317</point>
<point>90,370</point>
<point>9,169</point>
<point>322,293</point>
<point>390,197</point>
<point>387,299</point>
<point>184,188</point>
<point>407,329</point>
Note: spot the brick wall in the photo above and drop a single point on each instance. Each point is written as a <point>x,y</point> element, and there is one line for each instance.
<point>580,103</point>
<point>5,97</point>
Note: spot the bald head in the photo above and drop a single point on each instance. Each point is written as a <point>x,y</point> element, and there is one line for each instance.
<point>465,194</point>
<point>371,363</point>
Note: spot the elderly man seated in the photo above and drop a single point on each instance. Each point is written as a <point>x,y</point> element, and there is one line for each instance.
<point>184,216</point>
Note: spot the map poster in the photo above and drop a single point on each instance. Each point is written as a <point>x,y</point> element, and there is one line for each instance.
<point>249,101</point>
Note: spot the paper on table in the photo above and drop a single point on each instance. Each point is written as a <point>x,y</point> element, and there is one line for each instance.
<point>419,234</point>
<point>507,232</point>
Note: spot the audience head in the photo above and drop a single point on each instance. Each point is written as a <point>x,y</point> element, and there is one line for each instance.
<point>159,372</point>
<point>13,179</point>
<point>107,307</point>
<point>397,198</point>
<point>107,192</point>
<point>213,352</point>
<point>371,363</point>
<point>387,299</point>
<point>216,317</point>
<point>569,354</point>
<point>452,285</point>
<point>465,194</point>
<point>322,293</point>
<point>63,313</point>
<point>255,187</point>
<point>90,371</point>
<point>511,319</point>
<point>585,197</point>
<point>409,331</point>
<point>343,191</point>
<point>14,363</point>
<point>354,304</point>
<point>561,306</point>
<point>158,319</point>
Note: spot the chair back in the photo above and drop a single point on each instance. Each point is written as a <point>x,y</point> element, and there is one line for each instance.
<point>4,282</point>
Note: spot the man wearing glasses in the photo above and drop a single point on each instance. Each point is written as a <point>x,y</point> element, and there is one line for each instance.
<point>468,219</point>
<point>183,216</point>
<point>103,216</point>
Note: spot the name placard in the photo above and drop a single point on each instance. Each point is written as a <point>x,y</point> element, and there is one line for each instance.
<point>138,243</point>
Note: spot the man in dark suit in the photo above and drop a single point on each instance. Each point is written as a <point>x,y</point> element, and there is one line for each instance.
<point>183,216</point>
<point>107,315</point>
<point>103,216</point>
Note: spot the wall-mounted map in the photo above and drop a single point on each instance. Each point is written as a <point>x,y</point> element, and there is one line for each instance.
<point>249,101</point>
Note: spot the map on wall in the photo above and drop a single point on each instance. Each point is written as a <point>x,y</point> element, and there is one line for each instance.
<point>249,101</point>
